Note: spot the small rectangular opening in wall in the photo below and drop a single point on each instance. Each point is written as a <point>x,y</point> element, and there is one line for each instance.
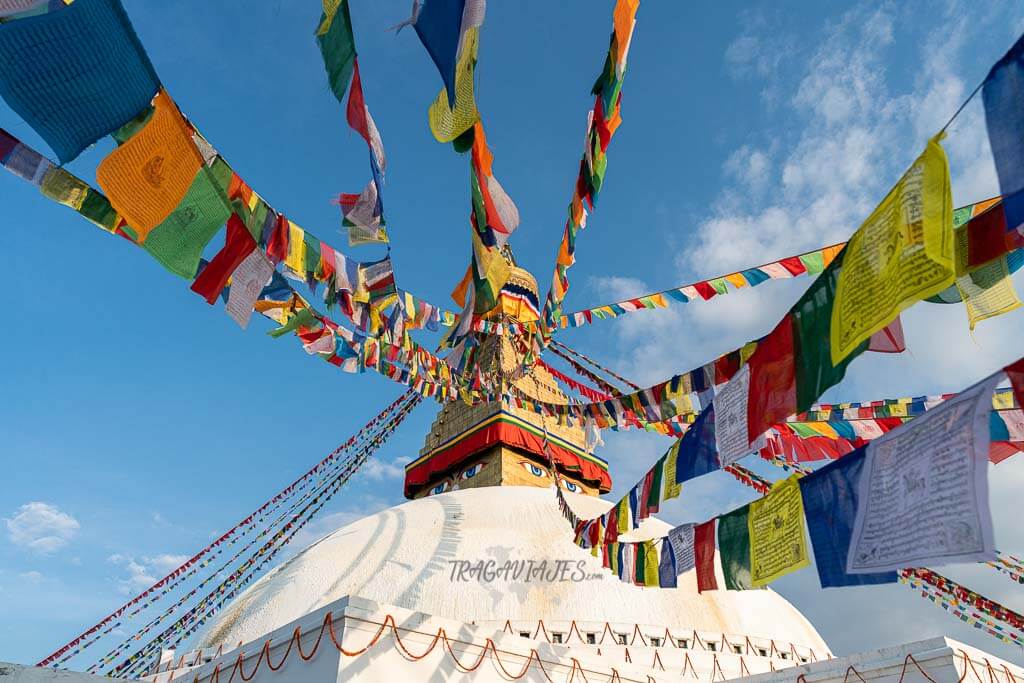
<point>803,660</point>
<point>684,643</point>
<point>591,639</point>
<point>784,655</point>
<point>655,642</point>
<point>621,638</point>
<point>524,634</point>
<point>712,647</point>
<point>556,637</point>
<point>738,649</point>
<point>763,652</point>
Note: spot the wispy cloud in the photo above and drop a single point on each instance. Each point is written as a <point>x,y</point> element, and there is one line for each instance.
<point>41,527</point>
<point>143,572</point>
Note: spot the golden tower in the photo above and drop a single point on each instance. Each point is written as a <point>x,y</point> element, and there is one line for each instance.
<point>498,444</point>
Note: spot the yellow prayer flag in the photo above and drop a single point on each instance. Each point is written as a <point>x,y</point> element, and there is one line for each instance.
<point>671,489</point>
<point>901,254</point>
<point>296,259</point>
<point>447,122</point>
<point>823,428</point>
<point>622,516</point>
<point>1002,400</point>
<point>987,291</point>
<point>650,564</point>
<point>778,543</point>
<point>736,280</point>
<point>61,186</point>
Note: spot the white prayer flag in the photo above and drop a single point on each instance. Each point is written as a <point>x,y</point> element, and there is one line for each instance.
<point>924,490</point>
<point>681,540</point>
<point>248,280</point>
<point>731,418</point>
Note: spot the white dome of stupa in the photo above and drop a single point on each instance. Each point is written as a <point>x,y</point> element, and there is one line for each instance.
<point>403,556</point>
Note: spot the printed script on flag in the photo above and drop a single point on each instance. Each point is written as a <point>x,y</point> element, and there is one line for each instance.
<point>924,490</point>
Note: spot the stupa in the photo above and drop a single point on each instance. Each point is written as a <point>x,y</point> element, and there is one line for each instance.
<point>477,578</point>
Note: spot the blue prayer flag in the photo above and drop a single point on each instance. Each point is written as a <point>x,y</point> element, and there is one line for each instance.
<point>667,566</point>
<point>698,452</point>
<point>1003,96</point>
<point>830,505</point>
<point>75,74</point>
<point>439,26</point>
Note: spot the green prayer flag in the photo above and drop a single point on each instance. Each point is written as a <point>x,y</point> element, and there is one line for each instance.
<point>178,242</point>
<point>734,548</point>
<point>812,324</point>
<point>338,47</point>
<point>654,495</point>
<point>97,209</point>
<point>814,263</point>
<point>303,318</point>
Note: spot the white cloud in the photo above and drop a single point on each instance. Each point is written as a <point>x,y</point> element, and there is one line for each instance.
<point>41,527</point>
<point>32,576</point>
<point>378,469</point>
<point>852,125</point>
<point>145,571</point>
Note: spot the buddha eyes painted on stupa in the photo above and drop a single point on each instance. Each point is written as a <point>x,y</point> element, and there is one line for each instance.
<point>471,472</point>
<point>570,486</point>
<point>533,469</point>
<point>440,488</point>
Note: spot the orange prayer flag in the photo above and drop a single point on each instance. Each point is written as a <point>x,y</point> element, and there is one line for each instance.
<point>147,177</point>
<point>461,289</point>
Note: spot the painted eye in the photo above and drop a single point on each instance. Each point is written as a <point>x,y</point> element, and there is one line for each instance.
<point>570,486</point>
<point>533,469</point>
<point>471,472</point>
<point>440,488</point>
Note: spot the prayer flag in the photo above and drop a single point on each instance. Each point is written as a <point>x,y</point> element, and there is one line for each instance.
<point>812,332</point>
<point>901,254</point>
<point>650,564</point>
<point>337,46</point>
<point>680,541</point>
<point>1015,371</point>
<point>238,244</point>
<point>1003,97</point>
<point>448,120</point>
<point>923,494</point>
<point>178,241</point>
<point>830,504</point>
<point>734,548</point>
<point>731,407</point>
<point>704,555</point>
<point>671,488</point>
<point>148,176</point>
<point>772,380</point>
<point>777,543</point>
<point>439,26</point>
<point>667,571</point>
<point>698,453</point>
<point>75,74</point>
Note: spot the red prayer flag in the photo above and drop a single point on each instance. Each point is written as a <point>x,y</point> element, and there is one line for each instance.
<point>889,339</point>
<point>238,244</point>
<point>355,111</point>
<point>705,290</point>
<point>772,380</point>
<point>704,556</point>
<point>794,265</point>
<point>277,245</point>
<point>986,236</point>
<point>1015,371</point>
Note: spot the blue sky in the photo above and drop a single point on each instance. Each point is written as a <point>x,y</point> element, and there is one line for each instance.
<point>138,421</point>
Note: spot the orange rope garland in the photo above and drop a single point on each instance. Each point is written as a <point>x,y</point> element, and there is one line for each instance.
<point>295,643</point>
